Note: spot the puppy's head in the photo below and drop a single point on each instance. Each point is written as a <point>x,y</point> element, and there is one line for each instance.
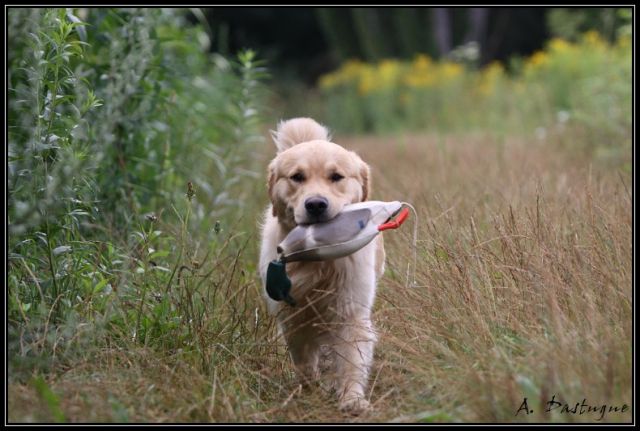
<point>312,179</point>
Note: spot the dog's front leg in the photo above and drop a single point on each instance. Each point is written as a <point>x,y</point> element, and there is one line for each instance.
<point>354,346</point>
<point>305,353</point>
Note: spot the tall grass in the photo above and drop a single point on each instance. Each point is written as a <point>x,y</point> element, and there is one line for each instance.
<point>525,273</point>
<point>524,290</point>
<point>132,286</point>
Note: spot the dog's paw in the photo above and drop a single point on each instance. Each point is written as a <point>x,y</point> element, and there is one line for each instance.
<point>309,383</point>
<point>354,405</point>
<point>309,377</point>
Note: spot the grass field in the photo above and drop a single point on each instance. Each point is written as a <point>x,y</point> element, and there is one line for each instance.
<point>136,164</point>
<point>524,289</point>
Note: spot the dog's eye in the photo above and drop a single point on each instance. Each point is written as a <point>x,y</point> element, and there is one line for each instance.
<point>335,177</point>
<point>297,177</point>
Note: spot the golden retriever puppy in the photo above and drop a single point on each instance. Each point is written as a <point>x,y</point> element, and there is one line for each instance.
<point>310,180</point>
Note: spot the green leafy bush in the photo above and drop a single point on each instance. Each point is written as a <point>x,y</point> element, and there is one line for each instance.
<point>112,112</point>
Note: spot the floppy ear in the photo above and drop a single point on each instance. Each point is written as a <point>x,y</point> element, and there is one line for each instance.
<point>364,180</point>
<point>271,181</point>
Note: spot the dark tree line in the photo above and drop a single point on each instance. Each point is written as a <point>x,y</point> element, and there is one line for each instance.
<point>306,42</point>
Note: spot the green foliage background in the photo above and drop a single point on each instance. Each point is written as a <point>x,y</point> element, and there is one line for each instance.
<point>125,137</point>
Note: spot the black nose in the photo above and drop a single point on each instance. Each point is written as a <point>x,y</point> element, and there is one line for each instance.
<point>316,206</point>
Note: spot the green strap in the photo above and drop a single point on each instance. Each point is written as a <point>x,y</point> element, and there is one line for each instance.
<point>278,283</point>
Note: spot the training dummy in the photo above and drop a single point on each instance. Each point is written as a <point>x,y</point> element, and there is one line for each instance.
<point>353,228</point>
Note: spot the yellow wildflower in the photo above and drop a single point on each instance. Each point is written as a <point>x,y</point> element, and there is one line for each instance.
<point>450,71</point>
<point>347,73</point>
<point>422,62</point>
<point>367,80</point>
<point>489,77</point>
<point>538,59</point>
<point>593,39</point>
<point>559,46</point>
<point>328,80</point>
<point>624,41</point>
<point>388,73</point>
<point>421,73</point>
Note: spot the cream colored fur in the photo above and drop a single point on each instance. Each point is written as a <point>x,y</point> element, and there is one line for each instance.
<point>334,298</point>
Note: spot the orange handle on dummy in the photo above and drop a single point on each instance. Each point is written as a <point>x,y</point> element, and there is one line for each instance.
<point>394,224</point>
